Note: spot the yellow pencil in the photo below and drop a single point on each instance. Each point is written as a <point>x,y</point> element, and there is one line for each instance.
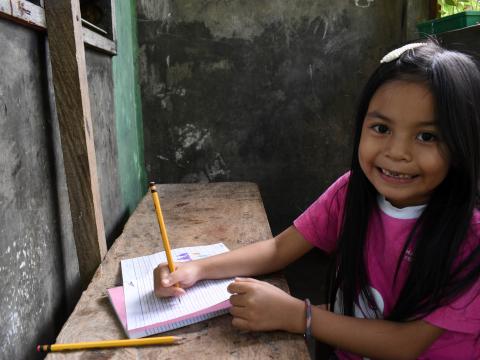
<point>159,340</point>
<point>163,231</point>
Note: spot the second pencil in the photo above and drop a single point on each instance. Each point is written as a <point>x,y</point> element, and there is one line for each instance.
<point>159,340</point>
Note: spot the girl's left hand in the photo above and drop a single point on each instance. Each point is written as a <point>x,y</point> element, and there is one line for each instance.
<point>260,306</point>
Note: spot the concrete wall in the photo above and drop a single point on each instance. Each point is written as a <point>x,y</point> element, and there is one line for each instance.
<point>260,91</point>
<point>32,283</point>
<point>39,270</point>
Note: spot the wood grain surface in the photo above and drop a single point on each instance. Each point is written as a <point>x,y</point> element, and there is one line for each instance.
<point>195,214</point>
<point>69,74</point>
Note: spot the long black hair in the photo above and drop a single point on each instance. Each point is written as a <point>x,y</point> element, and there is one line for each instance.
<point>436,276</point>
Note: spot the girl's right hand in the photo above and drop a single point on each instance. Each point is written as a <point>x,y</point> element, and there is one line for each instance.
<point>185,275</point>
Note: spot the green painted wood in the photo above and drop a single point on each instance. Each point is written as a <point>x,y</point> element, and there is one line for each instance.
<point>128,112</point>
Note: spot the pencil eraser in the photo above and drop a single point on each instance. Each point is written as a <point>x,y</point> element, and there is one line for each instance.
<point>38,348</point>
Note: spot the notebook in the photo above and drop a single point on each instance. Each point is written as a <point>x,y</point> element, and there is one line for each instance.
<point>141,313</point>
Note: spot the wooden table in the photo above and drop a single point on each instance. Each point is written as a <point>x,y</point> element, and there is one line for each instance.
<point>195,214</point>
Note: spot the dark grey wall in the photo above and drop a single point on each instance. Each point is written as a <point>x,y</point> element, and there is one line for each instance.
<point>259,91</point>
<point>39,270</point>
<point>31,283</point>
<point>100,84</point>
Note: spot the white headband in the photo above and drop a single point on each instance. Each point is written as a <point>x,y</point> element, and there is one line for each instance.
<point>395,54</point>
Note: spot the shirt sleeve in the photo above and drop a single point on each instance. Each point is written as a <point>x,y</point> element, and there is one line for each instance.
<point>463,314</point>
<point>321,223</point>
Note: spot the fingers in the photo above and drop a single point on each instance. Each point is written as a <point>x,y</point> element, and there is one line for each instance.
<point>234,288</point>
<point>241,285</point>
<point>238,300</point>
<point>240,323</point>
<point>238,311</point>
<point>239,319</point>
<point>248,280</point>
<point>170,291</point>
<point>164,276</point>
<point>161,291</point>
<point>161,271</point>
<point>163,281</point>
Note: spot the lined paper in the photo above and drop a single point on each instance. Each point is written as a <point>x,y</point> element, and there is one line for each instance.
<point>117,299</point>
<point>143,308</point>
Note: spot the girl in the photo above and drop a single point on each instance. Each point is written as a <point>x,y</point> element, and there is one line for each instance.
<point>402,224</point>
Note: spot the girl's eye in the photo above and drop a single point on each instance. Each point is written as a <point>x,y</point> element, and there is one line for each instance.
<point>381,129</point>
<point>426,137</point>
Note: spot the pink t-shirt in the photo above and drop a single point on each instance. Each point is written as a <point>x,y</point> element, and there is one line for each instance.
<point>388,230</point>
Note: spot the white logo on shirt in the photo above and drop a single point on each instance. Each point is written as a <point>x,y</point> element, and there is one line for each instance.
<point>408,255</point>
<point>362,309</point>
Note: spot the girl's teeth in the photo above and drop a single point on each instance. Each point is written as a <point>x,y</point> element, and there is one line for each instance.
<point>396,175</point>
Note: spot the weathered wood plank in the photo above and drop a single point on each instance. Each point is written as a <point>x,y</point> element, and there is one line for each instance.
<point>113,22</point>
<point>67,54</point>
<point>195,214</point>
<point>417,11</point>
<point>99,42</point>
<point>23,12</point>
<point>31,15</point>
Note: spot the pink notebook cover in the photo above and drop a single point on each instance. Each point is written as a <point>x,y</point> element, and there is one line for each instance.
<point>117,299</point>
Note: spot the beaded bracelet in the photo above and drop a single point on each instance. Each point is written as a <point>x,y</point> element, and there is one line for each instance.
<point>308,316</point>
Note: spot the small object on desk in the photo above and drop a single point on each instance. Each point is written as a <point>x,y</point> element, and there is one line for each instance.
<point>159,340</point>
<point>141,313</point>
<point>163,230</point>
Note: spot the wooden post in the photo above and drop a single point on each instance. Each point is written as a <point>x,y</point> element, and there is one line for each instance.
<point>67,53</point>
<point>433,9</point>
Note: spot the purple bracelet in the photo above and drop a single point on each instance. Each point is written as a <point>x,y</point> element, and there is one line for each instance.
<point>308,316</point>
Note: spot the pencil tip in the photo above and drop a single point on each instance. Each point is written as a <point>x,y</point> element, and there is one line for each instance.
<point>178,339</point>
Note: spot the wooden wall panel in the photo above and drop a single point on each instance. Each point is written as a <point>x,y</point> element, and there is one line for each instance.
<point>73,109</point>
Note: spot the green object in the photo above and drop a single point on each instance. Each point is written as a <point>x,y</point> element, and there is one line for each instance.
<point>128,112</point>
<point>448,23</point>
<point>450,7</point>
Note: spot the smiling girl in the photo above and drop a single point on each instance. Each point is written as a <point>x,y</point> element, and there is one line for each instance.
<point>402,225</point>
